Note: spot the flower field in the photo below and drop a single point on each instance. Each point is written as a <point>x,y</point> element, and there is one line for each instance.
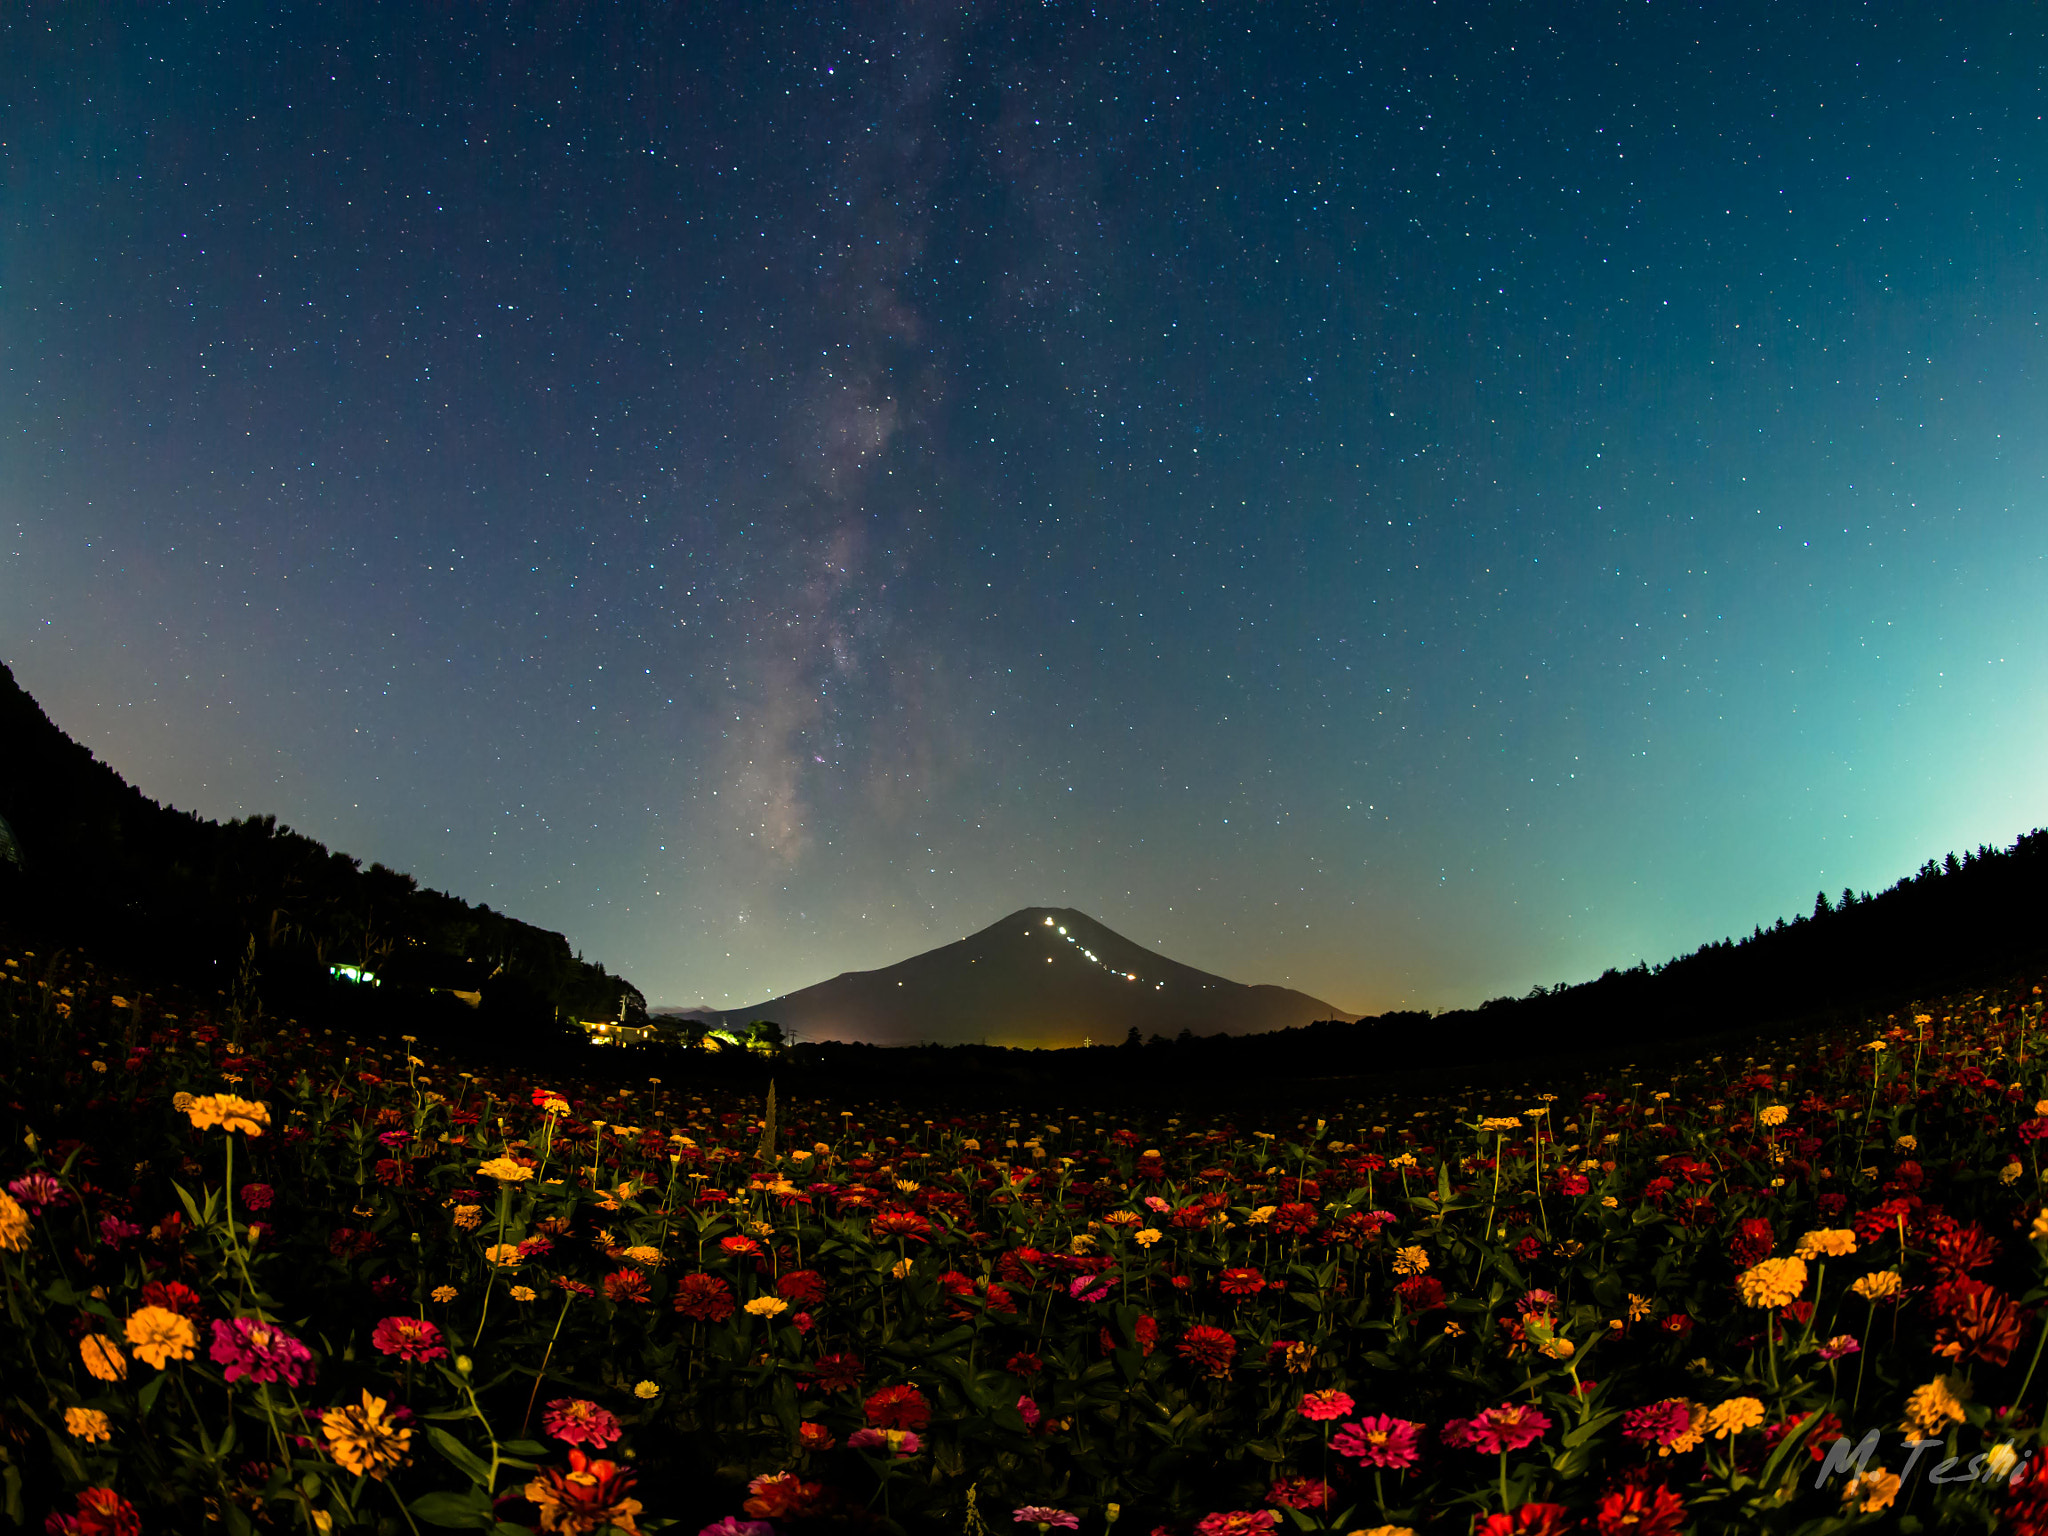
<point>303,1282</point>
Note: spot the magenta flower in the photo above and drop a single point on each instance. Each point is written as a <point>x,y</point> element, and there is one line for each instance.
<point>1658,1423</point>
<point>1841,1344</point>
<point>257,1197</point>
<point>900,1442</point>
<point>38,1191</point>
<point>1046,1519</point>
<point>410,1338</point>
<point>260,1351</point>
<point>1381,1441</point>
<point>1091,1287</point>
<point>731,1525</point>
<point>1029,1409</point>
<point>1323,1406</point>
<point>114,1231</point>
<point>578,1421</point>
<point>1509,1427</point>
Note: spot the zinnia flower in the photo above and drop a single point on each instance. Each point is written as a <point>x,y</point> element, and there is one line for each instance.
<point>99,1512</point>
<point>229,1113</point>
<point>578,1421</point>
<point>1772,1283</point>
<point>1046,1519</point>
<point>505,1171</point>
<point>409,1338</point>
<point>1238,1522</point>
<point>766,1306</point>
<point>1871,1491</point>
<point>103,1359</point>
<point>87,1424</point>
<point>1322,1406</point>
<point>590,1497</point>
<point>779,1495</point>
<point>707,1298</point>
<point>898,1408</point>
<point>159,1336</point>
<point>1380,1441</point>
<point>260,1351</point>
<point>1826,1243</point>
<point>1240,1282</point>
<point>1211,1348</point>
<point>1880,1285</point>
<point>1640,1512</point>
<point>365,1439</point>
<point>1509,1427</point>
<point>1411,1261</point>
<point>13,1224</point>
<point>39,1192</point>
<point>1932,1408</point>
<point>1674,1425</point>
<point>1527,1520</point>
<point>1726,1420</point>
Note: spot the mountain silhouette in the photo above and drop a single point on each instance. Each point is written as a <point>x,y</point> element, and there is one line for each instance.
<point>1043,976</point>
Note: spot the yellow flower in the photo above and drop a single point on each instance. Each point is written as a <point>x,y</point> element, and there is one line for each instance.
<point>87,1424</point>
<point>1932,1408</point>
<point>1878,1286</point>
<point>469,1217</point>
<point>646,1389</point>
<point>1145,1237</point>
<point>103,1359</point>
<point>505,1171</point>
<point>1826,1243</point>
<point>364,1440</point>
<point>228,1112</point>
<point>1639,1307</point>
<point>1871,1491</point>
<point>506,1254</point>
<point>1259,1217</point>
<point>181,1102</point>
<point>1610,1202</point>
<point>641,1253</point>
<point>767,1306</point>
<point>13,1224</point>
<point>2040,1226</point>
<point>1772,1283</point>
<point>2010,1173</point>
<point>523,1293</point>
<point>1726,1420</point>
<point>1774,1114</point>
<point>1907,1144</point>
<point>158,1336</point>
<point>443,1294</point>
<point>2000,1460</point>
<point>1411,1261</point>
<point>1386,1530</point>
<point>901,1268</point>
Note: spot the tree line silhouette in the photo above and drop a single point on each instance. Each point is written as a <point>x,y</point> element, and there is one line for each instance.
<point>258,914</point>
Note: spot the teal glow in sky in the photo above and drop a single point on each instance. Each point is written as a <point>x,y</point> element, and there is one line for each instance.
<point>1405,504</point>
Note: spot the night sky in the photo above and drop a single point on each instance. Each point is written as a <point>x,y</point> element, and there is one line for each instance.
<point>1406,501</point>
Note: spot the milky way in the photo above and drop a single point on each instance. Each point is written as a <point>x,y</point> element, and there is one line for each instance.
<point>1404,503</point>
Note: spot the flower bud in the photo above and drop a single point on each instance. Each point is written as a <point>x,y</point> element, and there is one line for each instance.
<point>464,1365</point>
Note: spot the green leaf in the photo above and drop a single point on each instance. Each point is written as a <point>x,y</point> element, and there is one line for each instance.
<point>469,1511</point>
<point>464,1459</point>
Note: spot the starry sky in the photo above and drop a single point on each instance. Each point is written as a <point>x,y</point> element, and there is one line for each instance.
<point>1405,501</point>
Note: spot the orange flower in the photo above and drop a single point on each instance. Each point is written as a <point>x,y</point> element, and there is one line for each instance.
<point>158,1336</point>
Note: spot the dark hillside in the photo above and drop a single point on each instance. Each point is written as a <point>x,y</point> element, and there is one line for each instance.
<point>254,911</point>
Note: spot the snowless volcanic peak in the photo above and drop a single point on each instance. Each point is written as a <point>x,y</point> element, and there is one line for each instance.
<point>1043,976</point>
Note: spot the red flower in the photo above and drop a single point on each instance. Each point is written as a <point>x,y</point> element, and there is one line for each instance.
<point>1210,1348</point>
<point>801,1287</point>
<point>739,1247</point>
<point>705,1297</point>
<point>626,1286</point>
<point>1640,1512</point>
<point>898,1408</point>
<point>1752,1242</point>
<point>901,1224</point>
<point>813,1436</point>
<point>834,1373</point>
<point>1025,1365</point>
<point>1420,1294</point>
<point>1294,1219</point>
<point>1240,1282</point>
<point>1299,1493</point>
<point>1510,1427</point>
<point>410,1338</point>
<point>783,1496</point>
<point>1529,1520</point>
<point>175,1296</point>
<point>591,1496</point>
<point>103,1512</point>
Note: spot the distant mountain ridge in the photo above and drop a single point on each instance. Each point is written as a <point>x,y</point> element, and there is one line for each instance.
<point>1043,976</point>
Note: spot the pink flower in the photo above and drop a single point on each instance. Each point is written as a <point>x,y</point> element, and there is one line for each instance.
<point>1841,1344</point>
<point>1238,1522</point>
<point>114,1231</point>
<point>260,1351</point>
<point>1323,1406</point>
<point>1509,1427</point>
<point>257,1197</point>
<point>1090,1287</point>
<point>1046,1519</point>
<point>1029,1409</point>
<point>578,1421</point>
<point>900,1442</point>
<point>410,1338</point>
<point>1299,1493</point>
<point>1381,1441</point>
<point>38,1191</point>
